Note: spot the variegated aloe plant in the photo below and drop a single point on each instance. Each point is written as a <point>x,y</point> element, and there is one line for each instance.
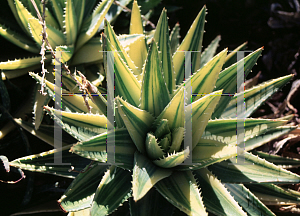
<point>71,27</point>
<point>151,170</point>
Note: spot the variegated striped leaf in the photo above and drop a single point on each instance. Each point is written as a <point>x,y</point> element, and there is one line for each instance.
<point>79,10</point>
<point>20,40</point>
<point>115,43</point>
<point>191,42</point>
<point>182,191</point>
<point>55,36</point>
<point>22,63</point>
<point>162,129</point>
<point>89,52</point>
<point>66,53</point>
<point>228,80</point>
<point>248,168</point>
<point>96,148</point>
<point>70,22</point>
<point>92,23</point>
<point>57,6</point>
<point>174,111</point>
<point>283,162</point>
<point>145,175</point>
<point>210,51</point>
<point>161,37</point>
<point>126,84</point>
<point>177,137</point>
<point>153,150</point>
<point>154,95</point>
<point>137,121</point>
<point>23,15</point>
<point>271,194</point>
<point>232,56</point>
<point>45,132</point>
<point>173,160</point>
<point>254,97</point>
<point>174,38</point>
<point>203,81</point>
<point>42,163</point>
<point>71,102</point>
<point>81,191</point>
<point>136,25</point>
<point>113,190</point>
<point>249,202</point>
<point>224,130</point>
<point>138,49</point>
<point>216,198</point>
<point>81,126</point>
<point>202,110</point>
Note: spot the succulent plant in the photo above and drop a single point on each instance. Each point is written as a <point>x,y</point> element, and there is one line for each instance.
<point>152,165</point>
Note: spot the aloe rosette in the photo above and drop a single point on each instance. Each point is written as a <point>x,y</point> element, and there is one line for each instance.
<point>154,170</point>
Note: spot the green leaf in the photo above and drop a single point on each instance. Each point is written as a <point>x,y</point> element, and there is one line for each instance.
<point>42,163</point>
<point>19,40</point>
<point>182,191</point>
<point>247,168</point>
<point>96,148</point>
<point>22,63</point>
<point>92,23</point>
<point>81,191</point>
<point>89,52</point>
<point>191,42</point>
<point>161,36</point>
<point>153,149</point>
<point>55,37</point>
<point>113,190</point>
<point>174,38</point>
<point>58,11</point>
<point>145,176</point>
<point>216,198</point>
<point>228,80</point>
<point>254,97</point>
<point>174,111</point>
<point>271,194</point>
<point>13,8</point>
<point>79,10</point>
<point>210,51</point>
<point>203,81</point>
<point>232,56</point>
<point>137,121</point>
<point>45,132</point>
<point>23,15</point>
<point>81,126</point>
<point>173,160</point>
<point>126,84</point>
<point>70,22</point>
<point>159,205</point>
<point>249,202</point>
<point>155,95</point>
